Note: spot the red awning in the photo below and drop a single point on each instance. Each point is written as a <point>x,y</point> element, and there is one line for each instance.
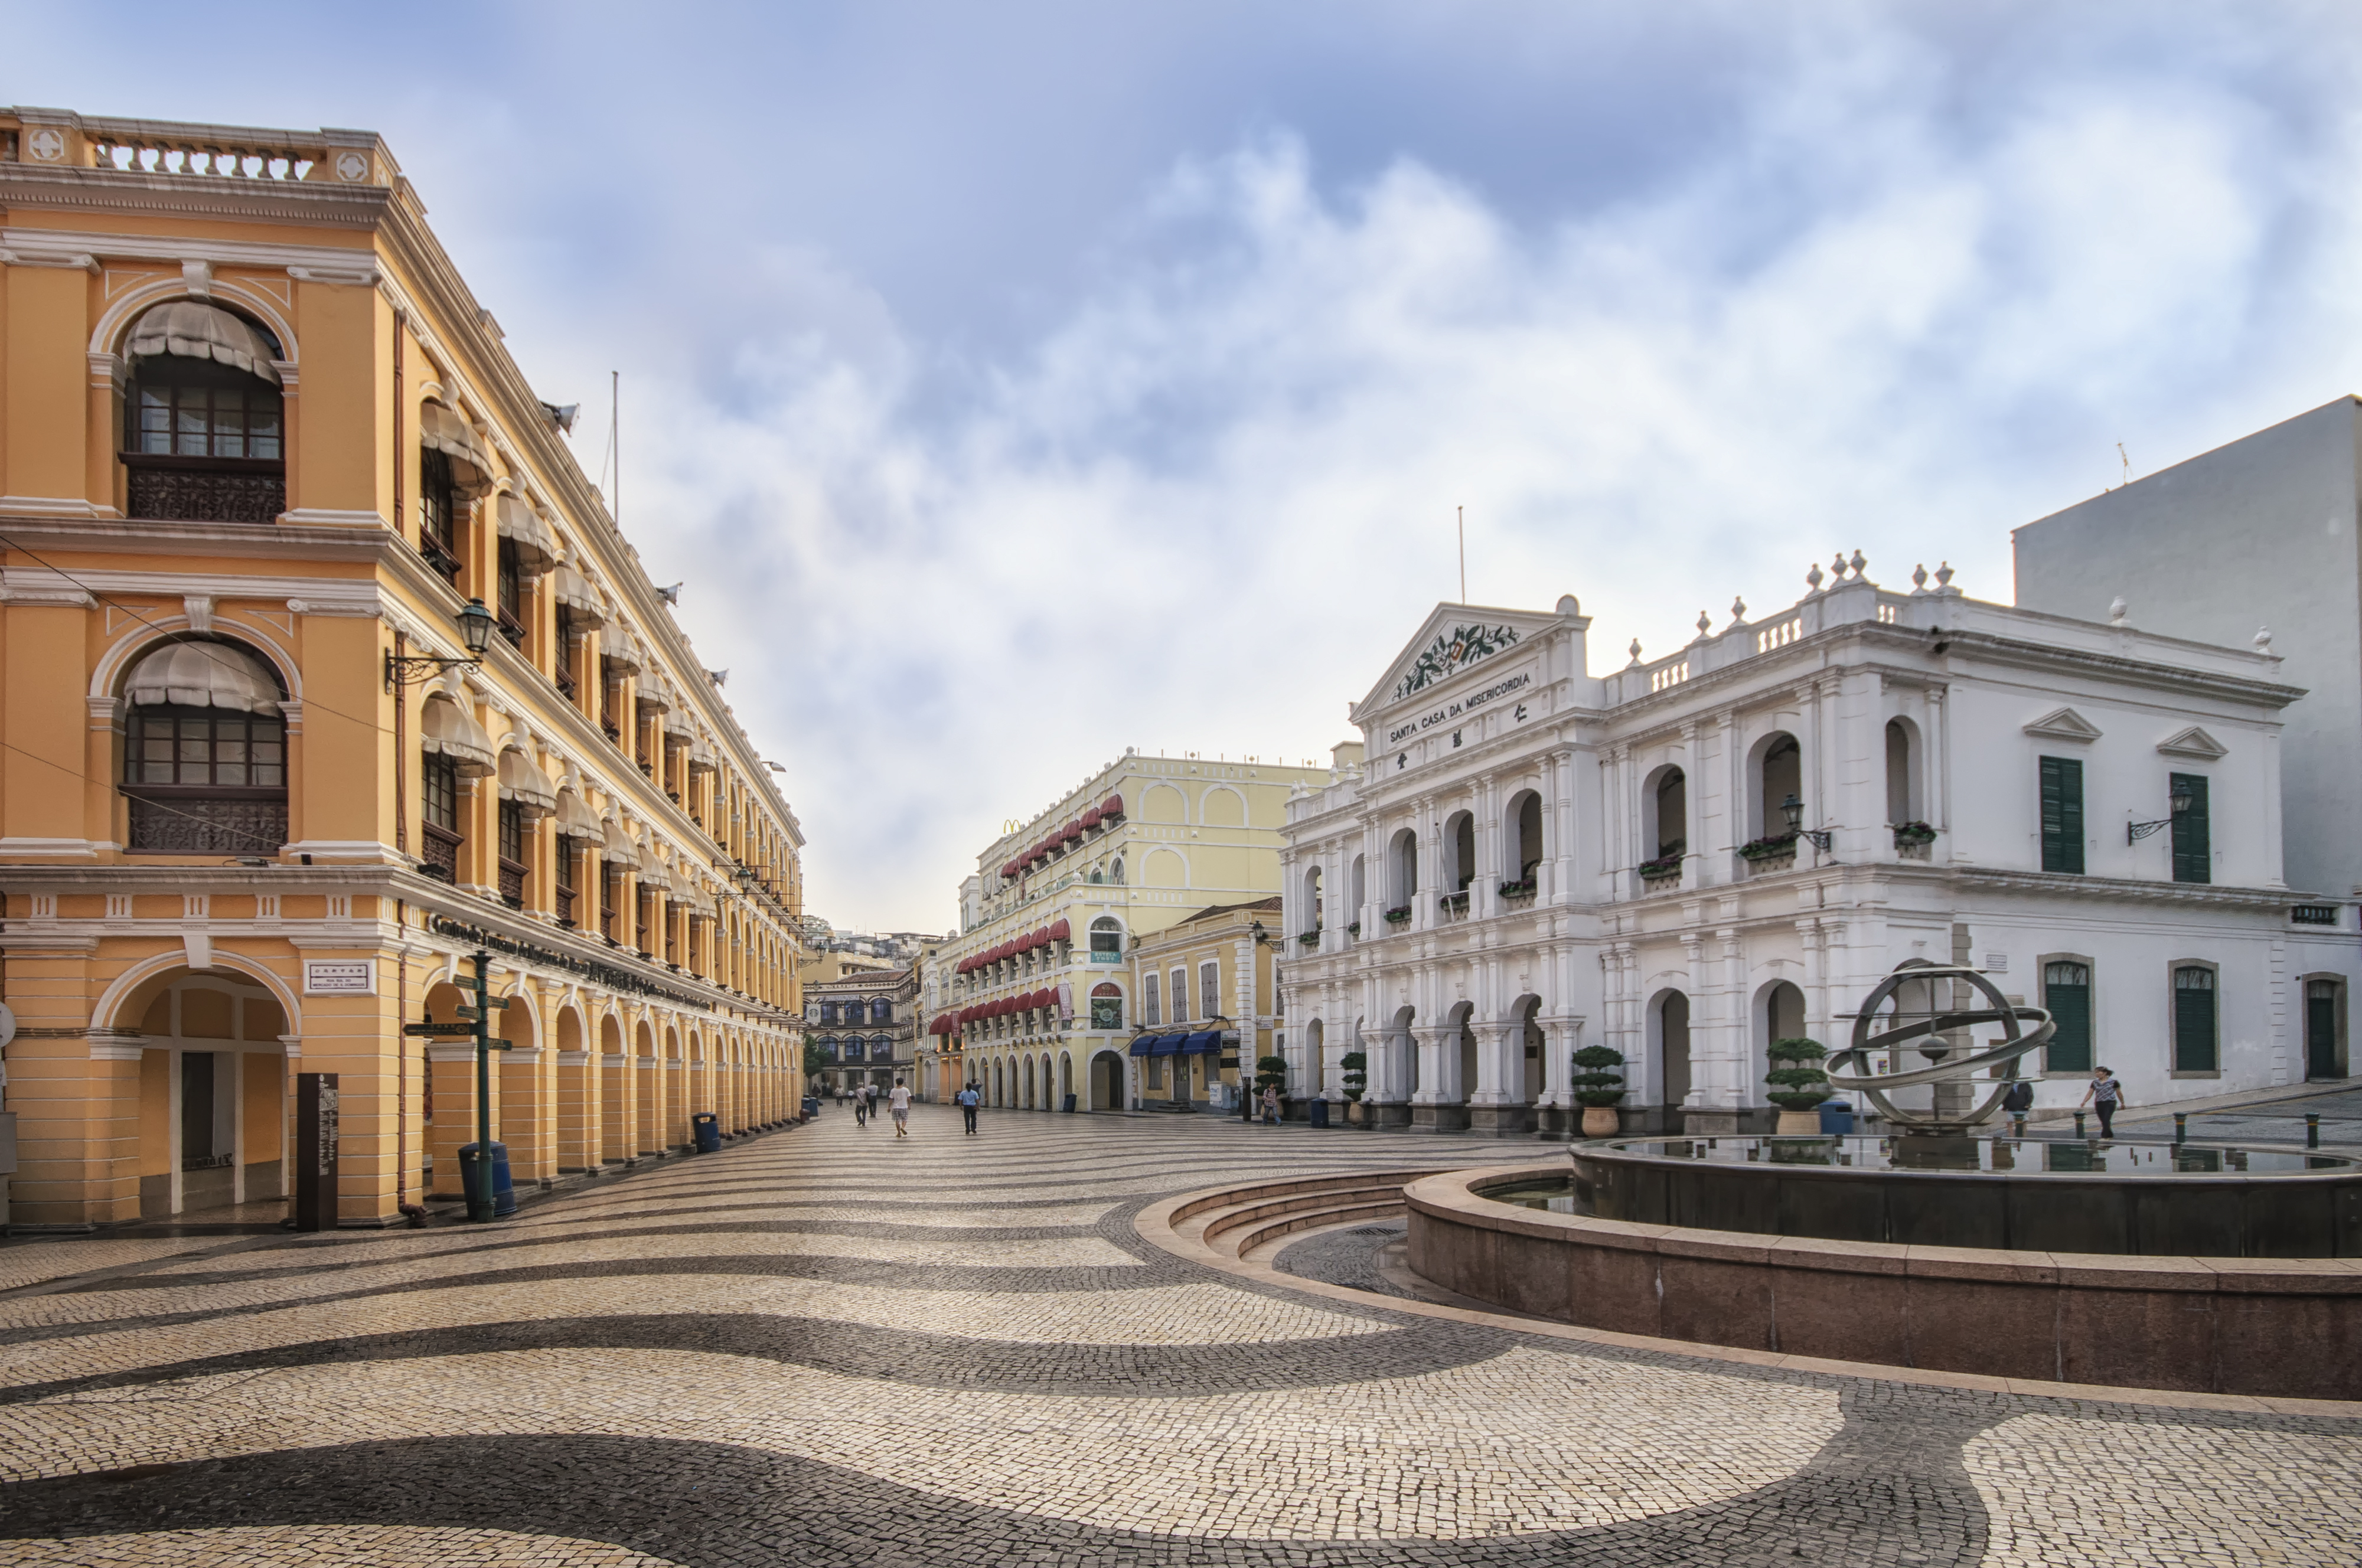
<point>1049,995</point>
<point>1041,937</point>
<point>1074,831</point>
<point>1112,806</point>
<point>1062,931</point>
<point>1091,818</point>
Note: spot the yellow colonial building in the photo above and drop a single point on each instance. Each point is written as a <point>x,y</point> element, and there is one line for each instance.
<point>269,481</point>
<point>1034,1000</point>
<point>1205,1008</point>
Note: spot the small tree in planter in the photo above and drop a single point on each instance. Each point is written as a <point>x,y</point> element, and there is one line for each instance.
<point>1798,1085</point>
<point>1355,1067</point>
<point>1597,1087</point>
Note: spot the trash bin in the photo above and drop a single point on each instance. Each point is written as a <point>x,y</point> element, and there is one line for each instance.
<point>1069,1104</point>
<point>1320,1113</point>
<point>811,1105</point>
<point>471,1176</point>
<point>708,1128</point>
<point>1837,1119</point>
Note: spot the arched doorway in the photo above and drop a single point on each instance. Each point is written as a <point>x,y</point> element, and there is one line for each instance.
<point>213,1093</point>
<point>1670,1042</point>
<point>1106,1081</point>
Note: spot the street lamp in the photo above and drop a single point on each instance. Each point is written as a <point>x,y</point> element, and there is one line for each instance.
<point>1794,810</point>
<point>2178,800</point>
<point>476,627</point>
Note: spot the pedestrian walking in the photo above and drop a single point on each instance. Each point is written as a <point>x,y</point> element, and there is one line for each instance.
<point>898,1103</point>
<point>2105,1096</point>
<point>966,1101</point>
<point>1271,1105</point>
<point>860,1110</point>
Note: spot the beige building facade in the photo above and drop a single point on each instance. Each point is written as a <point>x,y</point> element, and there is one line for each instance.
<point>324,669</point>
<point>1034,1000</point>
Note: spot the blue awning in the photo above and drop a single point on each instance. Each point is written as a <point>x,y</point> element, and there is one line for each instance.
<point>1205,1043</point>
<point>1166,1046</point>
<point>1144,1045</point>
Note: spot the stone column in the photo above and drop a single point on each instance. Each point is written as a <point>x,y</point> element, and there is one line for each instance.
<point>1558,1116</point>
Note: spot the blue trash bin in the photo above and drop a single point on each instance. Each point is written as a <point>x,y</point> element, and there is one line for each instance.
<point>1837,1119</point>
<point>471,1175</point>
<point>708,1131</point>
<point>811,1105</point>
<point>1320,1113</point>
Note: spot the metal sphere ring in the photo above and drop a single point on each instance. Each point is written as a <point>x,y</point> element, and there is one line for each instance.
<point>1852,1068</point>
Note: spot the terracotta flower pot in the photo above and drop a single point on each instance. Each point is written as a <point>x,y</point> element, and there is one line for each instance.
<point>1601,1121</point>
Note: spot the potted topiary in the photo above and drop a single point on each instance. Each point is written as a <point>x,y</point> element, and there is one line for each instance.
<point>1597,1087</point>
<point>1355,1072</point>
<point>1798,1085</point>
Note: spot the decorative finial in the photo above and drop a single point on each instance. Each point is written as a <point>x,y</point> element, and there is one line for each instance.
<point>1813,578</point>
<point>1635,650</point>
<point>2116,611</point>
<point>1738,610</point>
<point>1919,577</point>
<point>1857,563</point>
<point>2264,642</point>
<point>1838,567</point>
<point>1705,623</point>
<point>1944,576</point>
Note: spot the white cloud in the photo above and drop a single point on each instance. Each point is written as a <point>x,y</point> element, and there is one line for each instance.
<point>1205,507</point>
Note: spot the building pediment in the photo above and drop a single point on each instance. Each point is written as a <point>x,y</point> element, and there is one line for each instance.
<point>1454,640</point>
<point>2193,743</point>
<point>2063,724</point>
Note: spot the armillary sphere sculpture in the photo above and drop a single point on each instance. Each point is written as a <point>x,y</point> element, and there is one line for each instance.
<point>1945,1066</point>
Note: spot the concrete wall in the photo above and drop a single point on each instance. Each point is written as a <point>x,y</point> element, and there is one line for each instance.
<point>2258,533</point>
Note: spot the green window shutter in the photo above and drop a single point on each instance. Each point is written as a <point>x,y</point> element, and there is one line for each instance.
<point>2062,814</point>
<point>2067,992</point>
<point>2194,1021</point>
<point>2193,848</point>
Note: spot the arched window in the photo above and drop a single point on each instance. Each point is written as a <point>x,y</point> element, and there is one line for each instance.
<point>203,441</point>
<point>1312,912</point>
<point>1523,834</point>
<point>1358,894</point>
<point>1107,1005</point>
<point>1902,785</point>
<point>880,1010</point>
<point>1107,940</point>
<point>827,1047</point>
<point>1779,777</point>
<point>853,1050</point>
<point>204,757</point>
<point>1665,831</point>
<point>1461,834</point>
<point>1115,872</point>
<point>1402,874</point>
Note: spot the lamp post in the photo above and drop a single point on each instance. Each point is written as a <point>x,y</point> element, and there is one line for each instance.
<point>2177,803</point>
<point>1794,810</point>
<point>476,627</point>
<point>475,1024</point>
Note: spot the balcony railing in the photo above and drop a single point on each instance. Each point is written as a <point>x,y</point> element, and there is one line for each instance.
<point>512,883</point>
<point>204,489</point>
<point>439,852</point>
<point>226,822</point>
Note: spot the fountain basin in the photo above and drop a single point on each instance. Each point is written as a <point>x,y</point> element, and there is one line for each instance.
<point>2031,1195</point>
<point>2270,1327</point>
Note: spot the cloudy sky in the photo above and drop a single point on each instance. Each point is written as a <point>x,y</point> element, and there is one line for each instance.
<point>1013,385</point>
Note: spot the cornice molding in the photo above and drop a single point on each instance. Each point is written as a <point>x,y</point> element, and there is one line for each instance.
<point>116,192</point>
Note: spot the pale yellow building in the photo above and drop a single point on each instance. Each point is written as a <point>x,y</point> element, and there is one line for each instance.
<point>259,444</point>
<point>1034,1000</point>
<point>1204,1007</point>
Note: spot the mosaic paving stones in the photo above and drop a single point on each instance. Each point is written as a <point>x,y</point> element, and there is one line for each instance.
<point>826,1347</point>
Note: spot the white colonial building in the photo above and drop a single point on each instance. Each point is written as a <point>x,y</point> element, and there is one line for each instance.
<point>1532,858</point>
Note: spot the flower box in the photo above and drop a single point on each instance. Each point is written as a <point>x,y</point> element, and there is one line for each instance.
<point>1308,938</point>
<point>1399,916</point>
<point>1771,847</point>
<point>1515,891</point>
